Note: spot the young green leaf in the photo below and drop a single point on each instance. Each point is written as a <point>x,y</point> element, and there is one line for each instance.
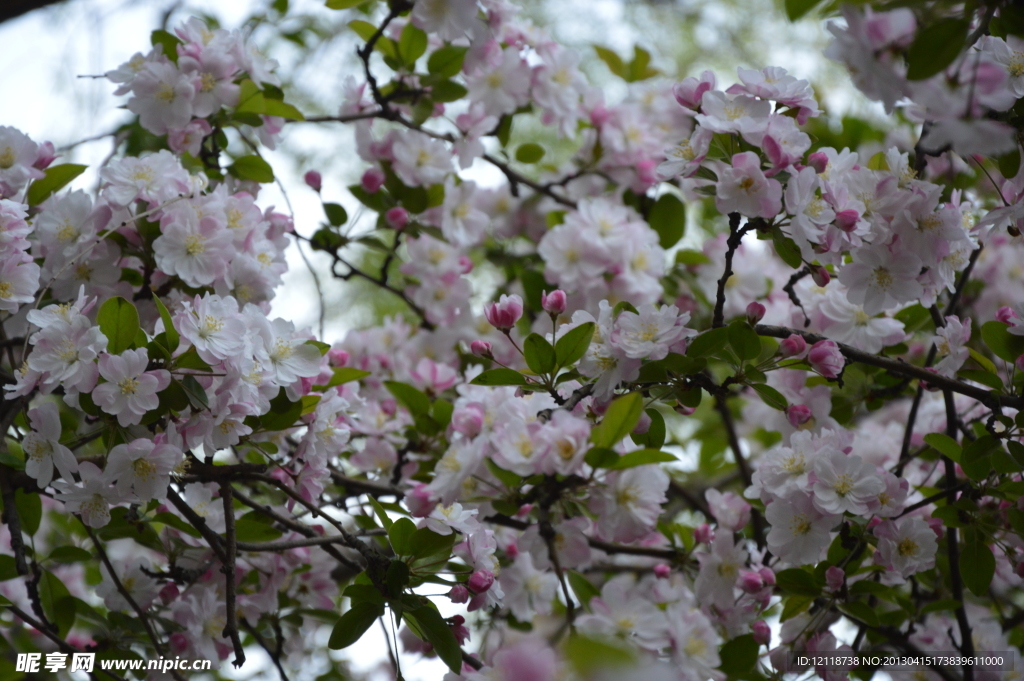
<point>119,322</point>
<point>55,179</point>
<point>252,167</point>
<point>540,356</point>
<point>573,345</point>
<point>668,219</point>
<point>622,416</point>
<point>351,626</point>
<point>500,376</point>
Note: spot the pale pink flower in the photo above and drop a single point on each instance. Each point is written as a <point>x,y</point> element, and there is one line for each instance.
<point>845,482</point>
<point>163,97</point>
<point>951,343</point>
<point>629,504</point>
<point>719,570</point>
<point>826,358</point>
<point>143,467</point>
<point>43,450</point>
<point>130,390</point>
<point>91,498</point>
<point>907,545</point>
<point>743,188</point>
<point>800,533</point>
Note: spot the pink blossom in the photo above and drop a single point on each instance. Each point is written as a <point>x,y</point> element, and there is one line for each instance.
<point>743,188</point>
<point>798,414</point>
<point>130,390</point>
<point>690,91</point>
<point>397,217</point>
<point>826,358</point>
<point>793,346</point>
<point>313,180</point>
<point>553,303</point>
<point>755,313</point>
<point>504,314</point>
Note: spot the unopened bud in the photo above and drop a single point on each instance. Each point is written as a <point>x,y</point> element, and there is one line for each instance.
<point>819,161</point>
<point>847,220</point>
<point>1006,315</point>
<point>313,180</point>
<point>703,534</point>
<point>662,571</point>
<point>397,218</point>
<point>459,594</point>
<point>373,180</point>
<point>481,348</point>
<point>798,414</point>
<point>480,581</point>
<point>834,578</point>
<point>768,575</point>
<point>750,582</point>
<point>820,276</point>
<point>1020,363</point>
<point>554,302</point>
<point>755,312</point>
<point>762,632</point>
<point>794,346</point>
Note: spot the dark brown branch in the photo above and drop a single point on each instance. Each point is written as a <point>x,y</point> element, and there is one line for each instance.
<point>722,406</point>
<point>673,555</point>
<point>228,568</point>
<point>989,399</point>
<point>516,179</point>
<point>952,546</point>
<point>272,654</point>
<point>733,242</point>
<point>197,521</point>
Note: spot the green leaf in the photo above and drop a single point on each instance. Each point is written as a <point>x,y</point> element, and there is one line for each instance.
<point>439,634</point>
<point>860,611</point>
<point>168,41</point>
<point>30,510</point>
<point>252,167</point>
<point>976,460</point>
<point>446,62</point>
<point>601,457</point>
<point>708,343</point>
<point>770,396</point>
<point>797,8</point>
<point>1009,163</point>
<point>255,527</point>
<point>540,356</point>
<point>425,543</point>
<point>415,400</point>
<point>582,587</point>
<point>447,91</point>
<point>935,47</point>
<point>353,624</point>
<point>612,59</point>
<point>197,394</point>
<point>794,605</point>
<point>622,416</point>
<point>345,4</point>
<point>58,605</point>
<point>739,656</point>
<point>983,377</point>
<point>273,107</point>
<point>941,605</point>
<point>687,256</point>
<point>983,361</point>
<point>399,534</point>
<point>1001,342</point>
<point>744,340</point>
<point>500,377</point>
<point>944,444</point>
<point>798,582</point>
<point>529,153</point>
<point>588,656</point>
<point>977,566</point>
<point>639,67</point>
<point>8,568</point>
<point>412,43</point>
<point>668,219</point>
<point>56,178</point>
<point>283,413</point>
<point>642,458</point>
<point>177,523</point>
<point>69,554</point>
<point>173,339</point>
<point>573,345</point>
<point>336,214</point>
<point>119,322</point>
<point>364,29</point>
<point>341,376</point>
<point>397,577</point>
<point>382,515</point>
<point>507,478</point>
<point>654,438</point>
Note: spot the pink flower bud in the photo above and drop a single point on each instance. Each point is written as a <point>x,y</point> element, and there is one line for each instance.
<point>690,91</point>
<point>459,594</point>
<point>314,180</point>
<point>468,420</point>
<point>554,302</point>
<point>480,581</point>
<point>662,571</point>
<point>504,314</point>
<point>178,643</point>
<point>465,264</point>
<point>1005,315</point>
<point>820,276</point>
<point>798,414</point>
<point>755,312</point>
<point>684,410</point>
<point>397,218</point>
<point>645,171</point>
<point>1020,363</point>
<point>373,180</point>
<point>337,357</point>
<point>819,161</point>
<point>168,593</point>
<point>826,359</point>
<point>45,155</point>
<point>481,348</point>
<point>937,527</point>
<point>768,575</point>
<point>834,578</point>
<point>762,632</point>
<point>847,220</point>
<point>419,501</point>
<point>873,523</point>
<point>458,625</point>
<point>599,115</point>
<point>794,346</point>
<point>750,582</point>
<point>703,534</point>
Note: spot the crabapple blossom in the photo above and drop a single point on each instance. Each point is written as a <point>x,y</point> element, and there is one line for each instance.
<point>906,546</point>
<point>130,390</point>
<point>142,467</point>
<point>43,450</point>
<point>844,483</point>
<point>800,531</point>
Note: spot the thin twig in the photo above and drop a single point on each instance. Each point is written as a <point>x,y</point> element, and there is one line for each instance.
<point>733,242</point>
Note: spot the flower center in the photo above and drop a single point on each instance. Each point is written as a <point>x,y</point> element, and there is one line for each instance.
<point>6,289</point>
<point>800,525</point>
<point>128,386</point>
<point>906,547</point>
<point>883,278</point>
<point>844,485</point>
<point>194,245</point>
<point>6,158</point>
<point>144,469</point>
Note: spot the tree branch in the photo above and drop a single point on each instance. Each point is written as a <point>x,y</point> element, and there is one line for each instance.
<point>735,238</point>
